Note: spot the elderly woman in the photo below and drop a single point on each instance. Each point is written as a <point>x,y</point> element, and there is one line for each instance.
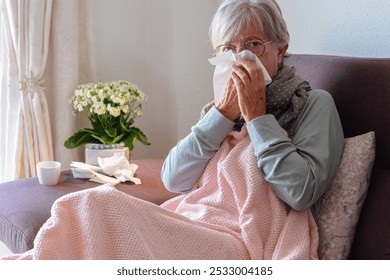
<point>299,165</point>
<point>292,134</point>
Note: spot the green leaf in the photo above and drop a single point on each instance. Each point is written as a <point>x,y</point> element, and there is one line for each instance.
<point>107,140</point>
<point>80,138</point>
<point>101,139</point>
<point>130,141</point>
<point>89,131</point>
<point>118,138</point>
<point>142,138</point>
<point>136,134</point>
<point>123,125</point>
<point>112,132</point>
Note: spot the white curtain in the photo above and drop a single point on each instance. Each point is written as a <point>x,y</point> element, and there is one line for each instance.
<point>71,62</point>
<point>41,49</point>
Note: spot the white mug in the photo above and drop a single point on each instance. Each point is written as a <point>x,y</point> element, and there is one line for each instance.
<point>48,172</point>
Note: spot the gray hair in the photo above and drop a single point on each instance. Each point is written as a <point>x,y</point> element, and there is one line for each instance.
<point>234,15</point>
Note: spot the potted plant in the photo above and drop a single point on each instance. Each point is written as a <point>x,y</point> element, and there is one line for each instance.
<point>111,109</point>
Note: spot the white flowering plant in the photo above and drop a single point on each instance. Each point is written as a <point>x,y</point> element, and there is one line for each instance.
<point>111,108</point>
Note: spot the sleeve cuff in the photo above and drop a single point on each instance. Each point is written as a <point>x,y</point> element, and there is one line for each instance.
<point>214,126</point>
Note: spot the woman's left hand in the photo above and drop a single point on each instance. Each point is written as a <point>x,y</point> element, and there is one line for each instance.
<point>250,85</point>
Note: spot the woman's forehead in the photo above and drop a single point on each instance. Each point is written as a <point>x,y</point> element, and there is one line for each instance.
<point>248,30</point>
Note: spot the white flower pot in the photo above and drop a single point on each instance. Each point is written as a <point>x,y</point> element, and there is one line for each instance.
<point>92,153</point>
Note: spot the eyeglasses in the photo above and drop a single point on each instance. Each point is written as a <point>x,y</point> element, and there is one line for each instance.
<point>254,45</point>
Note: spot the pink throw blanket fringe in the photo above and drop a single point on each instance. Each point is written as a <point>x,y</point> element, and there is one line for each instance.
<point>233,214</point>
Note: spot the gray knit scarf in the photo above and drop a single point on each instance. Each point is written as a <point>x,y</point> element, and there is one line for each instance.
<point>286,96</point>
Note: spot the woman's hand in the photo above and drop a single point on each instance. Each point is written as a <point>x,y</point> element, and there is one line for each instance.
<point>228,103</point>
<point>250,86</point>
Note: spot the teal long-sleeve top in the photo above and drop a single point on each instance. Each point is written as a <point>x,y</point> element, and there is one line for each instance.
<point>299,169</point>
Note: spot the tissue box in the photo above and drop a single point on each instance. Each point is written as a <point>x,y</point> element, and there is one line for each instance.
<point>92,153</point>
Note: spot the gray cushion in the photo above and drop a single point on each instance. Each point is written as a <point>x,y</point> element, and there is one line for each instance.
<point>25,206</point>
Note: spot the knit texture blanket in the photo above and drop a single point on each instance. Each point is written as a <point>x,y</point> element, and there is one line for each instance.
<point>232,214</point>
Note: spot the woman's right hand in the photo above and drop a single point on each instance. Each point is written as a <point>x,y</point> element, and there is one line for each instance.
<point>227,105</point>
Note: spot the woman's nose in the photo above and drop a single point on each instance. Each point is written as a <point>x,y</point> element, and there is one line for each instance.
<point>240,48</point>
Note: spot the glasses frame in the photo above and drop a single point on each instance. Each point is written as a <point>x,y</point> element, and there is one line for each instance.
<point>234,48</point>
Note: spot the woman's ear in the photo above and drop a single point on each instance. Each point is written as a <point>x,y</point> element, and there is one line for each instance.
<point>282,53</point>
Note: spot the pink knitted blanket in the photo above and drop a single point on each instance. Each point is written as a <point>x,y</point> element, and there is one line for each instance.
<point>233,214</point>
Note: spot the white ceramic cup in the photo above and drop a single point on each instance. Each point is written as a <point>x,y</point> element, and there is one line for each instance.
<point>48,172</point>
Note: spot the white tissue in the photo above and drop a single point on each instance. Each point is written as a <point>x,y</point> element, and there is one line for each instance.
<point>223,70</point>
<point>86,171</point>
<point>119,167</point>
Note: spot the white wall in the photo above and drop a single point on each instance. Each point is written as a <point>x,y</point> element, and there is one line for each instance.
<point>163,47</point>
<point>338,27</point>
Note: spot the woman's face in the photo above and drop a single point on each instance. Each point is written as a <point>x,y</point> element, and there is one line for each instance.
<point>271,58</point>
